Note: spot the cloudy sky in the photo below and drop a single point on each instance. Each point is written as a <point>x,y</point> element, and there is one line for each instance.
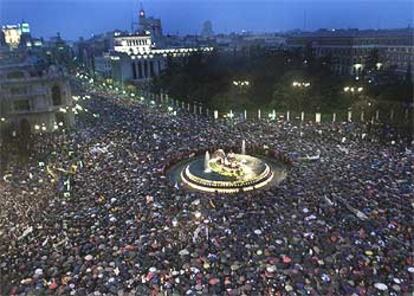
<point>75,18</point>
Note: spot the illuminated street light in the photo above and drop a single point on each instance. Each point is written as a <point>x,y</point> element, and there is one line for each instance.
<point>241,83</point>
<point>353,89</point>
<point>300,84</point>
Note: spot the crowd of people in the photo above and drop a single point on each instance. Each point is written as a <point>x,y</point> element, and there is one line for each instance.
<point>98,216</point>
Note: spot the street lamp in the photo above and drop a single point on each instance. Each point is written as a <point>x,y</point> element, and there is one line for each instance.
<point>301,84</point>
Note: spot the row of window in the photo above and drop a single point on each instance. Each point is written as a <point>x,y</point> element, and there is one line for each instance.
<point>24,105</point>
<point>136,42</point>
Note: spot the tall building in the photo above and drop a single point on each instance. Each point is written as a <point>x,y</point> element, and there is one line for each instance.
<point>207,30</point>
<point>149,24</point>
<point>16,35</point>
<point>136,57</point>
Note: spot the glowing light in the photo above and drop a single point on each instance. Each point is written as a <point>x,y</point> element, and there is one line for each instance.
<point>37,127</point>
<point>357,66</point>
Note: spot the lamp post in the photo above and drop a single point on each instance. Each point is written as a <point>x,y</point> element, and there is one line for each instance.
<point>356,92</point>
<point>303,86</point>
<point>241,86</point>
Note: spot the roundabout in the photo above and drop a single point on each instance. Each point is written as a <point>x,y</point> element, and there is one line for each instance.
<point>227,172</point>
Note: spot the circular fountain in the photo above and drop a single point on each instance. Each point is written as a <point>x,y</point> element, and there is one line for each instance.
<point>227,172</point>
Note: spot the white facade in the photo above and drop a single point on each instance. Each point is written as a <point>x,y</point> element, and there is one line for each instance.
<point>143,67</point>
<point>132,44</point>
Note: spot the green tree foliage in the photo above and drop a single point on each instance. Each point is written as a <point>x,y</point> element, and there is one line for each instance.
<point>209,79</point>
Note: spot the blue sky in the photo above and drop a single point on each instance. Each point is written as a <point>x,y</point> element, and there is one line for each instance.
<point>75,18</point>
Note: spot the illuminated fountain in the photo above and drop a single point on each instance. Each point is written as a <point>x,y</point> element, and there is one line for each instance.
<point>206,161</point>
<point>226,172</point>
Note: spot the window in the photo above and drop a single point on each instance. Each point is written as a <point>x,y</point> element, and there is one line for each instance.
<point>22,105</point>
<point>15,75</point>
<point>18,90</point>
<point>56,96</point>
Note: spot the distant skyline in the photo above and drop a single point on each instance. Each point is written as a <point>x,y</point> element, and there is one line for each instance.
<point>75,18</point>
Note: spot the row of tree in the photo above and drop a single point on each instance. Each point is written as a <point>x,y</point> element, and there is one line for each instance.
<point>214,80</point>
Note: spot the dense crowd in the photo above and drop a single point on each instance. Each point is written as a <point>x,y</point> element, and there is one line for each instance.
<point>97,216</point>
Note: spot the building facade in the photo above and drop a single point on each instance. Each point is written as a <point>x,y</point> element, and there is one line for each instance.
<point>132,43</point>
<point>16,35</point>
<point>143,67</point>
<point>349,51</point>
<point>35,98</point>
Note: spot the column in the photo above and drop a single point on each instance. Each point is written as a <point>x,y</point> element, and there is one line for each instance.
<point>377,115</point>
<point>333,117</point>
<point>259,114</point>
<point>317,117</point>
<point>349,116</point>
<point>245,114</point>
<point>287,115</point>
<point>149,68</point>
<point>136,70</point>
<point>302,116</point>
<point>215,114</point>
<point>362,116</point>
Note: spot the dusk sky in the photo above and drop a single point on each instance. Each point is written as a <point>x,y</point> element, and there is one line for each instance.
<point>75,18</point>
